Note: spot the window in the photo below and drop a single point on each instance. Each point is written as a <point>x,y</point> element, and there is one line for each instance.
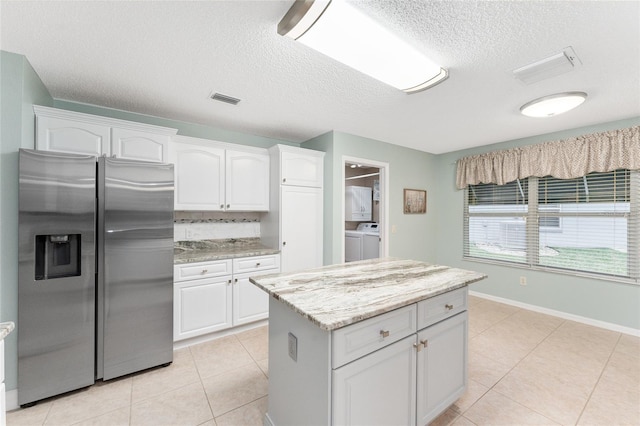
<point>588,225</point>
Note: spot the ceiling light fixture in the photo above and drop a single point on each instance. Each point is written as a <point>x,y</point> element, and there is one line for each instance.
<point>548,106</point>
<point>342,32</point>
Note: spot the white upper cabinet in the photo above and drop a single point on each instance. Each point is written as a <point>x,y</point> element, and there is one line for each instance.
<point>298,168</point>
<point>215,176</point>
<point>247,181</point>
<point>78,133</point>
<point>138,145</point>
<point>357,203</point>
<point>199,176</point>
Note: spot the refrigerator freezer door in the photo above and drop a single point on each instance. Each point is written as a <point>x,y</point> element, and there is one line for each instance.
<point>56,274</point>
<point>135,270</point>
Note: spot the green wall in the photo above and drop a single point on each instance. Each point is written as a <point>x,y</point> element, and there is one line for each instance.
<point>601,300</point>
<point>20,88</point>
<point>415,234</point>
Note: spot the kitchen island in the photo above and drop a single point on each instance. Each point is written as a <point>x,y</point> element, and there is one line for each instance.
<point>381,341</point>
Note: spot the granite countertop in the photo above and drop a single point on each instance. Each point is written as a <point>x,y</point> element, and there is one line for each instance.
<point>6,328</point>
<point>206,250</point>
<point>338,295</point>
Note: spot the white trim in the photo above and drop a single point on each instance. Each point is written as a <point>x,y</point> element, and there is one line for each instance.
<point>11,399</point>
<point>560,314</point>
<point>384,200</point>
<point>43,111</point>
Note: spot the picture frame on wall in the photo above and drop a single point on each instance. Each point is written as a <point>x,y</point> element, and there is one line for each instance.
<point>415,201</point>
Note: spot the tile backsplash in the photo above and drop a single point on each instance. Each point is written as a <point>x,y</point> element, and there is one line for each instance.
<point>192,226</point>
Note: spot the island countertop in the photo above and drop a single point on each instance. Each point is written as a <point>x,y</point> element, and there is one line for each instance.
<point>338,295</point>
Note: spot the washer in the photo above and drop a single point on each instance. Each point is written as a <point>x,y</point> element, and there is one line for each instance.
<point>363,243</point>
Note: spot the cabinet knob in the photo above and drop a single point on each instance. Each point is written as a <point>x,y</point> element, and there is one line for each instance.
<point>284,243</point>
<point>222,206</point>
<point>257,264</point>
<point>424,343</point>
<point>228,282</point>
<point>449,307</point>
<point>418,346</point>
<point>228,205</point>
<point>204,271</point>
<point>384,333</point>
<point>236,280</point>
<point>284,180</point>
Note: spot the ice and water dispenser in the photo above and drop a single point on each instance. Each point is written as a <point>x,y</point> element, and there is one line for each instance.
<point>57,256</point>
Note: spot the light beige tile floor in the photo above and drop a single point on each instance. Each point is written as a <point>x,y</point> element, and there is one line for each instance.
<point>525,368</point>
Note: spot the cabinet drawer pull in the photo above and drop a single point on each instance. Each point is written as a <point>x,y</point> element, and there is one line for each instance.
<point>418,346</point>
<point>449,307</point>
<point>384,333</point>
<point>424,343</point>
<point>204,271</point>
<point>257,264</point>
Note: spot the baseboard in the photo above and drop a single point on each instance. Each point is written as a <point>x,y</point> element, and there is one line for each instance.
<point>560,314</point>
<point>217,335</point>
<point>11,399</point>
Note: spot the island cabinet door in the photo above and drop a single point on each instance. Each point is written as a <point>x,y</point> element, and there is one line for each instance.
<point>377,389</point>
<point>442,366</point>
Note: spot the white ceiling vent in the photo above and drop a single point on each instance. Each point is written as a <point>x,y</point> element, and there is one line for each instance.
<point>552,66</point>
<point>224,98</point>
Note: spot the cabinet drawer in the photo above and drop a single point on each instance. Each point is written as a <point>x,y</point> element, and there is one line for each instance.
<point>437,308</point>
<point>256,263</point>
<point>195,271</point>
<point>354,341</point>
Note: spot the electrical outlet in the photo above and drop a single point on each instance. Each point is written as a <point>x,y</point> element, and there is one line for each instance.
<point>293,347</point>
<point>523,280</point>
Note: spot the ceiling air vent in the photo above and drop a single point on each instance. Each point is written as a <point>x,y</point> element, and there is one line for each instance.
<point>224,98</point>
<point>552,66</point>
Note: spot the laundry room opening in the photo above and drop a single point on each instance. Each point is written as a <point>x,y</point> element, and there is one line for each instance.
<point>365,209</point>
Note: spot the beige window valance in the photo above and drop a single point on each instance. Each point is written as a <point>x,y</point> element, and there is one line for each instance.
<point>563,159</point>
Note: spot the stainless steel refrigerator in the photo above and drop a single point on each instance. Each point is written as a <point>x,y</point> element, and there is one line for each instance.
<point>95,276</point>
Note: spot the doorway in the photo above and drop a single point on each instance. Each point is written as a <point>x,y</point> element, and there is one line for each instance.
<point>365,209</point>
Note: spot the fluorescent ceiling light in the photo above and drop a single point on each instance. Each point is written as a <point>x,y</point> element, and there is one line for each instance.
<point>551,105</point>
<point>340,31</point>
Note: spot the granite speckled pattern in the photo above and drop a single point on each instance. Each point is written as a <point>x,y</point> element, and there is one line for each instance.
<point>6,328</point>
<point>338,295</point>
<point>206,250</point>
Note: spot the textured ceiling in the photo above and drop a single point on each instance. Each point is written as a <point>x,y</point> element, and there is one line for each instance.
<point>164,58</point>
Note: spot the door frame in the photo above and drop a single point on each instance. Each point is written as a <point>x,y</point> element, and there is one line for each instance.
<point>383,222</point>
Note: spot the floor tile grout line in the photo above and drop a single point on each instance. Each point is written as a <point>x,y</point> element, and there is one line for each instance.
<point>599,378</point>
<point>512,368</point>
<point>213,417</point>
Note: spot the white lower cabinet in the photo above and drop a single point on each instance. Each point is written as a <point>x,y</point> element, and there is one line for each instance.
<point>378,388</point>
<point>442,366</point>
<point>403,367</point>
<point>211,296</point>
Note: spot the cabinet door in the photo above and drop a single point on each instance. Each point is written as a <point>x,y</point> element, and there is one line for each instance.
<point>442,366</point>
<point>247,181</point>
<point>138,145</point>
<point>365,197</point>
<point>76,137</point>
<point>249,302</point>
<point>199,177</point>
<point>357,203</point>
<point>201,306</point>
<point>301,221</point>
<point>377,389</point>
<point>301,169</point>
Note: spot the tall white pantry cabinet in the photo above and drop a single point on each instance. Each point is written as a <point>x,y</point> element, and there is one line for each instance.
<point>294,223</point>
